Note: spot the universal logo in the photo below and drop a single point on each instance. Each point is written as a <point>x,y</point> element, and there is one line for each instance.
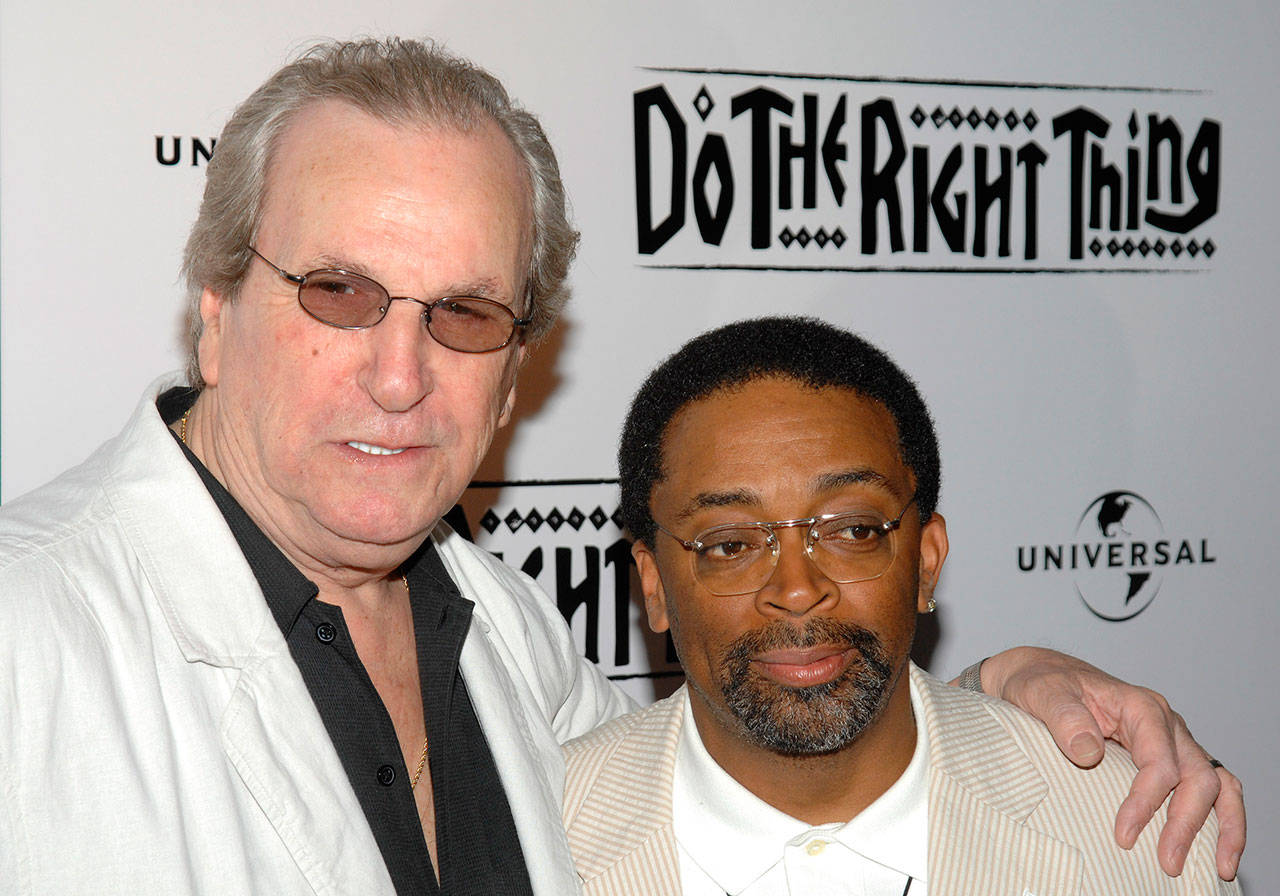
<point>782,171</point>
<point>1119,556</point>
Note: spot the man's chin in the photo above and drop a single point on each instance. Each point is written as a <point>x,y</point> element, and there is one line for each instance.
<point>363,529</point>
<point>814,719</point>
<point>806,721</point>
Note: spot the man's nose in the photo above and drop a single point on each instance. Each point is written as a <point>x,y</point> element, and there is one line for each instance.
<point>797,587</point>
<point>398,372</point>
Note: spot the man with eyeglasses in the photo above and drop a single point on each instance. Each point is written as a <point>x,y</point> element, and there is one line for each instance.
<point>780,477</point>
<point>240,651</point>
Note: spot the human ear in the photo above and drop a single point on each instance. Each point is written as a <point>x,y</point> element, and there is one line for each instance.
<point>933,552</point>
<point>509,403</point>
<point>655,598</point>
<point>208,348</point>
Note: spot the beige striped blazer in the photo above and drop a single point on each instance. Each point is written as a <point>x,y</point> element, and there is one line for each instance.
<point>1008,814</point>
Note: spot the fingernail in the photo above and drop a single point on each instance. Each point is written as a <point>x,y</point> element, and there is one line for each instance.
<point>1085,746</point>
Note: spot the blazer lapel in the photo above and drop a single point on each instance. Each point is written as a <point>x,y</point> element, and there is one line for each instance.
<point>211,602</point>
<point>527,758</point>
<point>277,742</point>
<point>982,790</point>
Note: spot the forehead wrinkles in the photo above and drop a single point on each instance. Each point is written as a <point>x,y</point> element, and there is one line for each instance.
<point>475,125</point>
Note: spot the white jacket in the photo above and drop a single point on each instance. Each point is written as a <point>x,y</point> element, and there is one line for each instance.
<point>156,737</point>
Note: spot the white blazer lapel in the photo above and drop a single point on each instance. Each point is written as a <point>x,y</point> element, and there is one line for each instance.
<point>271,731</point>
<point>527,759</point>
<point>275,738</point>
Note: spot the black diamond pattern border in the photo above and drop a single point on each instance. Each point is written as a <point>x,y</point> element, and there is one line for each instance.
<point>534,519</point>
<point>703,104</point>
<point>974,117</point>
<point>821,238</point>
<point>1145,247</point>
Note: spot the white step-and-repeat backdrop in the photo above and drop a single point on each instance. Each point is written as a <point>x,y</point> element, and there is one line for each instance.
<point>1061,218</point>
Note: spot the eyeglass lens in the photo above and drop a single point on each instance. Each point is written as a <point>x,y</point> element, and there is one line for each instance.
<point>741,559</point>
<point>463,323</point>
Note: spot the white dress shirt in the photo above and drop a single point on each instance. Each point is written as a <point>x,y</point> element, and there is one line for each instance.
<point>732,842</point>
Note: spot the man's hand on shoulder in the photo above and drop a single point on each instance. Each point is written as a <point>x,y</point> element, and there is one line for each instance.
<point>1081,705</point>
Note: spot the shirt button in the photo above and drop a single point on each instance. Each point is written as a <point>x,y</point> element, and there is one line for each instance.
<point>386,775</point>
<point>326,632</point>
<point>816,847</point>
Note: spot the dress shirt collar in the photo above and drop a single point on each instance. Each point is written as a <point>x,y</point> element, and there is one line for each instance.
<point>735,837</point>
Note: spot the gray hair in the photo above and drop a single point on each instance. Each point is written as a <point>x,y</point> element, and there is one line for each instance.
<point>402,82</point>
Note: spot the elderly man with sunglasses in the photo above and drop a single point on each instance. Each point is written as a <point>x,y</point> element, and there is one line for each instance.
<point>240,653</point>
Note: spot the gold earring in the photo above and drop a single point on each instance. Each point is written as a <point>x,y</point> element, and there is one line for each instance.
<point>932,605</point>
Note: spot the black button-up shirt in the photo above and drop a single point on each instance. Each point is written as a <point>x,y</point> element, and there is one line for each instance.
<point>476,841</point>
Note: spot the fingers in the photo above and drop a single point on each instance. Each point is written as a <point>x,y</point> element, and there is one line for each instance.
<point>1147,793</point>
<point>1195,795</point>
<point>1150,731</point>
<point>1075,731</point>
<point>1172,762</point>
<point>1231,824</point>
<point>1169,759</point>
<point>1081,705</point>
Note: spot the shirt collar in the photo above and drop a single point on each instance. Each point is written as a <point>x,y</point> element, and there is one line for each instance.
<point>735,837</point>
<point>894,830</point>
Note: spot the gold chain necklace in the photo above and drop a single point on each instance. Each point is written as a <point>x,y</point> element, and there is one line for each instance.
<point>422,763</point>
<point>182,431</point>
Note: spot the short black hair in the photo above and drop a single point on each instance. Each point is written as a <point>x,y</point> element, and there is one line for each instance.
<point>803,349</point>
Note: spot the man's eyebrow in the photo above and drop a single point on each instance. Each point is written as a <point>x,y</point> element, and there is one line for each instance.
<point>484,287</point>
<point>737,498</point>
<point>832,481</point>
<point>337,263</point>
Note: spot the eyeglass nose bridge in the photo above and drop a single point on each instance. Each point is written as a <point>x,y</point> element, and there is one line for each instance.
<point>775,544</point>
<point>811,541</point>
<point>424,313</point>
<point>809,535</point>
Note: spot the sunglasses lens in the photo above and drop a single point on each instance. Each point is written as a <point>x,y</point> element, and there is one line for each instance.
<point>343,300</point>
<point>467,324</point>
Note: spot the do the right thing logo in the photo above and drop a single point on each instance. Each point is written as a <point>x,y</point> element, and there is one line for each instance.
<point>1119,556</point>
